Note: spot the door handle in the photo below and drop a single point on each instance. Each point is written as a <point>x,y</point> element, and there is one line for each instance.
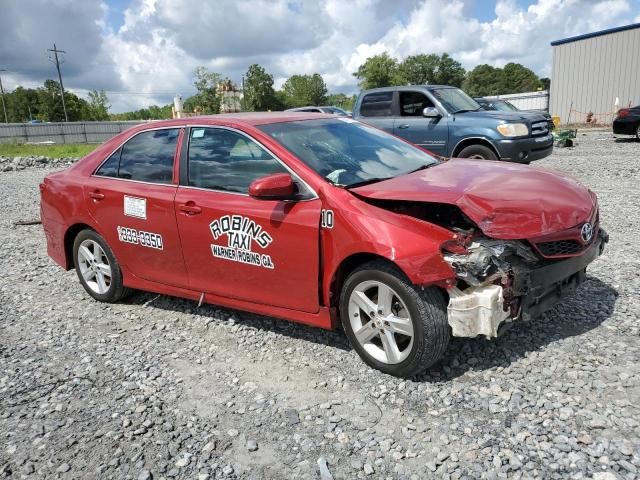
<point>403,126</point>
<point>96,195</point>
<point>190,208</point>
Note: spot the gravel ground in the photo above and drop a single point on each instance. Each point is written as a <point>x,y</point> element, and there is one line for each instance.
<point>156,388</point>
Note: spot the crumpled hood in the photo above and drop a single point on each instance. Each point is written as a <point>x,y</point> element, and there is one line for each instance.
<point>505,200</point>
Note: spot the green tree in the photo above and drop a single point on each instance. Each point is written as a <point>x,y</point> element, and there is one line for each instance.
<point>50,107</point>
<point>449,71</point>
<point>377,71</point>
<point>22,104</point>
<point>259,94</point>
<point>341,100</point>
<point>98,105</point>
<point>484,80</point>
<point>519,78</point>
<point>429,69</point>
<point>153,112</point>
<point>206,100</point>
<point>301,90</point>
<point>417,70</point>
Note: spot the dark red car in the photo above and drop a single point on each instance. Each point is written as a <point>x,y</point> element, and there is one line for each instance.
<point>317,219</point>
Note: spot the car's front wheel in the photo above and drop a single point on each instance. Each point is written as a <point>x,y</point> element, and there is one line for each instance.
<point>97,267</point>
<point>638,131</point>
<point>394,326</point>
<point>479,152</point>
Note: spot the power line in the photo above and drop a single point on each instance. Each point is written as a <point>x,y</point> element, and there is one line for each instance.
<point>4,107</point>
<point>55,53</point>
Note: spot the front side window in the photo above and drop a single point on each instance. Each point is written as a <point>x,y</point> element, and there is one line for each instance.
<point>413,103</point>
<point>377,104</point>
<point>346,152</point>
<point>221,159</point>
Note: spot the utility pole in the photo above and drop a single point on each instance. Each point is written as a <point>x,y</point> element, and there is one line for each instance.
<point>4,107</point>
<point>55,53</point>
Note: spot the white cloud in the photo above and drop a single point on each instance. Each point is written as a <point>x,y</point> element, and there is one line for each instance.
<point>153,54</point>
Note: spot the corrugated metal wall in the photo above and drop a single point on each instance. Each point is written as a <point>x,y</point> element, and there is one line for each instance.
<point>72,132</point>
<point>592,72</point>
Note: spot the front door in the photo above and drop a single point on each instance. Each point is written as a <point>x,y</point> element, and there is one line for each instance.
<point>131,198</point>
<point>261,251</point>
<point>429,133</point>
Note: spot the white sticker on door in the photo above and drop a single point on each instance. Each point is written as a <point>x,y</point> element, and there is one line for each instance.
<point>241,233</point>
<point>135,207</point>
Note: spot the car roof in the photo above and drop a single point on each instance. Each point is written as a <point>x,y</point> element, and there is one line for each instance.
<point>399,87</point>
<point>245,118</point>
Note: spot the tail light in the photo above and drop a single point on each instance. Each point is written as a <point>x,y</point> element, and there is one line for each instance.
<point>623,112</point>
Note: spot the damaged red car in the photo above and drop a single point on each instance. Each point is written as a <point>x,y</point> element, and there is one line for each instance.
<point>323,220</point>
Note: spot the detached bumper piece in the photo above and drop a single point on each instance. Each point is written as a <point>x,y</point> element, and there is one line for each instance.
<point>511,288</point>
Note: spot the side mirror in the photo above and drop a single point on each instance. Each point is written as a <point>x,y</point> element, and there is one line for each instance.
<point>278,186</point>
<point>431,112</point>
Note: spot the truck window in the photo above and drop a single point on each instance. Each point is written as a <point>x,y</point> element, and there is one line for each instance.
<point>412,104</point>
<point>377,104</point>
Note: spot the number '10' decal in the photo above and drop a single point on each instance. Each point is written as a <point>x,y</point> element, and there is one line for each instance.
<point>326,218</point>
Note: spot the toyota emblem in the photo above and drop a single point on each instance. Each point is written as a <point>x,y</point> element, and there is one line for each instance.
<point>586,232</point>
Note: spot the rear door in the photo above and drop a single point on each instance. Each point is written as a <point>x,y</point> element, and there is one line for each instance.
<point>429,133</point>
<point>235,246</point>
<point>131,198</point>
<point>376,109</point>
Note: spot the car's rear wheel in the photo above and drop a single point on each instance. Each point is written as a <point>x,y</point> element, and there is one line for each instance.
<point>394,326</point>
<point>638,131</point>
<point>480,152</point>
<point>97,267</point>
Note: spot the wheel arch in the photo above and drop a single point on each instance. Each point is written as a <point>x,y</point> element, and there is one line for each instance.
<point>69,237</point>
<point>467,142</point>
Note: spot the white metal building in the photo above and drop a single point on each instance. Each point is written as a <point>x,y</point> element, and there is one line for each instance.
<point>598,72</point>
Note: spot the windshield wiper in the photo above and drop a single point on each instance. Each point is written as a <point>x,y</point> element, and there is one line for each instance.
<point>462,110</point>
<point>367,182</point>
<point>422,167</point>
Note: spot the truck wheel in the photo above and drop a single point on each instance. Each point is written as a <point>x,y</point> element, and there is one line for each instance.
<point>394,326</point>
<point>97,268</point>
<point>479,152</point>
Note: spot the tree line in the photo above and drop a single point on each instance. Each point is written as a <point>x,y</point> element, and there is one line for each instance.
<point>45,103</point>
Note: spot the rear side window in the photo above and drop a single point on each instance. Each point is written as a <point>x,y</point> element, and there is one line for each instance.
<point>148,157</point>
<point>220,159</point>
<point>377,104</point>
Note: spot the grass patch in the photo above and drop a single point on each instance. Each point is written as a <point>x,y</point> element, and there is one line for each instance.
<point>53,151</point>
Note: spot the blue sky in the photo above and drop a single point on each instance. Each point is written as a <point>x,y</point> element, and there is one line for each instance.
<point>147,56</point>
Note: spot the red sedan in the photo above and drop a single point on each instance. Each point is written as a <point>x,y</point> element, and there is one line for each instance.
<point>318,219</point>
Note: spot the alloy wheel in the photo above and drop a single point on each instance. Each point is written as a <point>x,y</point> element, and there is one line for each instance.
<point>381,322</point>
<point>94,266</point>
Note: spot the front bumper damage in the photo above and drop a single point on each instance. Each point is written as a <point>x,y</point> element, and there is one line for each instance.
<point>500,282</point>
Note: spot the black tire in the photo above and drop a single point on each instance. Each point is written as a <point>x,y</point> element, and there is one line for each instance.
<point>116,290</point>
<point>478,151</point>
<point>638,132</point>
<point>428,312</point>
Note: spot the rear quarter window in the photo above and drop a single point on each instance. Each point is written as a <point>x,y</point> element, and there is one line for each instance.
<point>377,104</point>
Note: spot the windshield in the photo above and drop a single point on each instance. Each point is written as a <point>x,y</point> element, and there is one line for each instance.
<point>505,106</point>
<point>346,152</point>
<point>455,100</point>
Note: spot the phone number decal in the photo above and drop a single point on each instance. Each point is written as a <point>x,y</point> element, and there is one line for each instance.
<point>138,237</point>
